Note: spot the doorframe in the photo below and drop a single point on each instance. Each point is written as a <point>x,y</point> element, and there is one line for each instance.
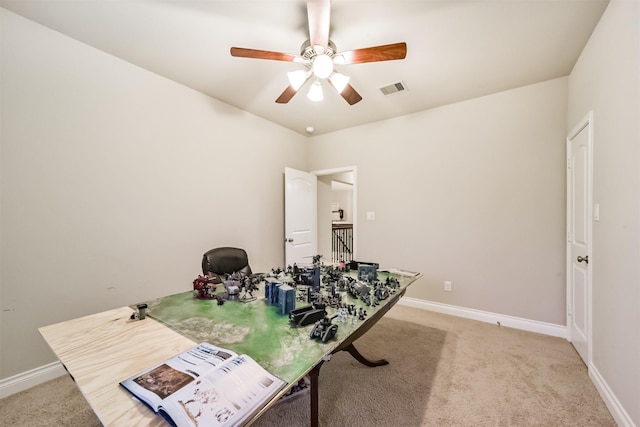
<point>585,122</point>
<point>354,169</point>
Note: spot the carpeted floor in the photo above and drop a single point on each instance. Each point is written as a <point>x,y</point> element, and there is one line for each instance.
<point>443,371</point>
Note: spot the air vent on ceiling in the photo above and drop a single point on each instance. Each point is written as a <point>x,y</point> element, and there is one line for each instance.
<point>393,88</point>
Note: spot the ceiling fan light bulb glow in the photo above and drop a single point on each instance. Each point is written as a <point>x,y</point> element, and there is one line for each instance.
<point>339,81</point>
<point>315,92</point>
<point>322,66</point>
<point>297,78</point>
<point>338,59</point>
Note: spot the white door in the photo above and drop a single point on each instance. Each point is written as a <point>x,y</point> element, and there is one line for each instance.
<point>579,194</point>
<point>300,217</point>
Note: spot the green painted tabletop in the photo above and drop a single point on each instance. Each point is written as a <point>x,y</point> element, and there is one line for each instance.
<point>258,330</point>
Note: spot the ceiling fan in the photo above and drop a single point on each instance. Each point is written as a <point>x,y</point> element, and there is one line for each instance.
<point>318,55</point>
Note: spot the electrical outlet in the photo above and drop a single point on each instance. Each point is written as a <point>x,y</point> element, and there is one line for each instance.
<point>447,286</point>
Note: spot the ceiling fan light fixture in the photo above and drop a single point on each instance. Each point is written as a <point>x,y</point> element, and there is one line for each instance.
<point>297,78</point>
<point>338,59</point>
<point>339,81</point>
<point>315,92</point>
<point>322,66</point>
<point>318,49</point>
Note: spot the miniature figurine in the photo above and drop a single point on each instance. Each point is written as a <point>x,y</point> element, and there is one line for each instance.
<point>248,285</point>
<point>204,287</point>
<point>141,314</point>
<point>324,329</point>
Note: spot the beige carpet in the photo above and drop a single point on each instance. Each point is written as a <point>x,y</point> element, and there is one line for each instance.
<point>444,371</point>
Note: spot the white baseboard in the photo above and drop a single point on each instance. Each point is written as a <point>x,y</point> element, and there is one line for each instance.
<point>28,379</point>
<point>617,410</point>
<point>488,317</point>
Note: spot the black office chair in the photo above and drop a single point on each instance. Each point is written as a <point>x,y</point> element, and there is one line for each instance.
<point>219,262</point>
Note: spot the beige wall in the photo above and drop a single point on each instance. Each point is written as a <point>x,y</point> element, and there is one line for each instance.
<point>473,193</point>
<point>114,183</point>
<point>606,80</point>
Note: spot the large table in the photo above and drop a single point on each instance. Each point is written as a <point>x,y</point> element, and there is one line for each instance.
<point>103,349</point>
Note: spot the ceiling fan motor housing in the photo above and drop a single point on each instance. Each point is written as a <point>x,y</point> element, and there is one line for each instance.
<point>307,51</point>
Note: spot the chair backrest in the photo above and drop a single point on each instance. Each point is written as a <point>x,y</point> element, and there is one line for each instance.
<point>225,260</point>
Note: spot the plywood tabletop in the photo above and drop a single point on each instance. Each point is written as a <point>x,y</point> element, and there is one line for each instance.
<point>103,349</point>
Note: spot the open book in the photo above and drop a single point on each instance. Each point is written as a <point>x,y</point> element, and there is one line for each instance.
<point>205,386</point>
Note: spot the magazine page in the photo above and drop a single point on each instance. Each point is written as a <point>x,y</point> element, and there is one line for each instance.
<point>225,396</point>
<point>161,381</point>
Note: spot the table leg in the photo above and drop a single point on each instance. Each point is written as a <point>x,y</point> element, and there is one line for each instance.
<point>360,358</point>
<point>313,376</point>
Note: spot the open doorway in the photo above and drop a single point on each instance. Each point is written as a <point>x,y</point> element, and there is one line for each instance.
<point>337,213</point>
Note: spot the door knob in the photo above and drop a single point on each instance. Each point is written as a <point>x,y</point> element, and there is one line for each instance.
<point>585,259</point>
<point>288,240</point>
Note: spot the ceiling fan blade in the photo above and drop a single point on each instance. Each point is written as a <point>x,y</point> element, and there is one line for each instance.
<point>385,52</point>
<point>241,52</point>
<point>319,15</point>
<point>349,94</point>
<point>286,96</point>
<point>290,91</point>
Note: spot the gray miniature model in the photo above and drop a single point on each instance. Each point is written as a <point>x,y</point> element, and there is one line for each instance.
<point>324,329</point>
<point>306,315</point>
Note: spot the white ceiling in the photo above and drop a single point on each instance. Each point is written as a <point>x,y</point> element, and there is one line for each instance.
<point>456,50</point>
